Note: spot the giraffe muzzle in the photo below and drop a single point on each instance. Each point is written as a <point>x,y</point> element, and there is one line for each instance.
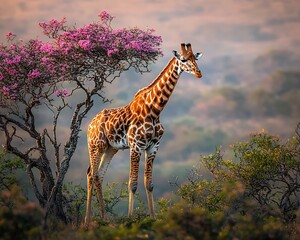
<point>198,74</point>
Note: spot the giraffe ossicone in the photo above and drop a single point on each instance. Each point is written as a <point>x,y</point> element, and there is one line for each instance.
<point>135,126</point>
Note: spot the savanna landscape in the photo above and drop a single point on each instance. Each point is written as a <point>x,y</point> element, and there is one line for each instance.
<point>229,161</point>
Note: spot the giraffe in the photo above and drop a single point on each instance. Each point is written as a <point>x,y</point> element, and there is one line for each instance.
<point>135,126</point>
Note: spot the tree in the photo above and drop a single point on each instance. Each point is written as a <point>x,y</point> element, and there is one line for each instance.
<point>263,181</point>
<point>48,79</point>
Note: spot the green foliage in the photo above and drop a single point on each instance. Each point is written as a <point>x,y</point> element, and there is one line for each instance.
<point>163,205</point>
<point>9,164</point>
<point>185,221</point>
<point>270,172</point>
<point>19,218</point>
<point>75,196</point>
<point>254,196</point>
<point>259,190</point>
<point>114,193</point>
<point>142,229</point>
<point>210,194</point>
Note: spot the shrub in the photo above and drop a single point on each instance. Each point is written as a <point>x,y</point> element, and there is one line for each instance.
<point>258,192</point>
<point>20,218</point>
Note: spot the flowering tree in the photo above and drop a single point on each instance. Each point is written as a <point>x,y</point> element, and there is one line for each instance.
<point>40,78</point>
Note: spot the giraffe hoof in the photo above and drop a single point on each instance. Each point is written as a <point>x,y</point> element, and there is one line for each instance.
<point>150,187</point>
<point>133,188</point>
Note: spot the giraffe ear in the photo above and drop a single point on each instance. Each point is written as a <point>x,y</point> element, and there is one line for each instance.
<point>176,54</point>
<point>198,55</point>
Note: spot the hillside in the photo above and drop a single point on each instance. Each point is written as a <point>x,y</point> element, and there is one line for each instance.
<point>250,66</point>
<point>203,115</point>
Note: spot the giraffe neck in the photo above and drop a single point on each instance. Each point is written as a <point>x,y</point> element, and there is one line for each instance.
<point>159,91</point>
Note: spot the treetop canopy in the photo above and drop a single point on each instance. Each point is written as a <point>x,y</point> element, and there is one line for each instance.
<point>93,52</point>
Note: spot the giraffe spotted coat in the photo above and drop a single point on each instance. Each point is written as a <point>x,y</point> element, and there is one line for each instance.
<point>135,126</point>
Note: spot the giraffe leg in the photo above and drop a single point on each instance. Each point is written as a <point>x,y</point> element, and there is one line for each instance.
<point>106,158</point>
<point>96,152</point>
<point>150,155</point>
<point>133,177</point>
<point>89,195</point>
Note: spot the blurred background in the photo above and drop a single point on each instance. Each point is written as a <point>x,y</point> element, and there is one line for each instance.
<point>250,66</point>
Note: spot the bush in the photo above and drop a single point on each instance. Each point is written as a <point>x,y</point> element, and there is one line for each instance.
<point>185,221</point>
<point>253,196</point>
<point>258,193</point>
<point>20,218</point>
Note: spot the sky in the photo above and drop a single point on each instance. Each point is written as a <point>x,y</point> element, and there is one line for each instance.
<point>240,29</point>
<point>212,26</point>
<point>237,29</point>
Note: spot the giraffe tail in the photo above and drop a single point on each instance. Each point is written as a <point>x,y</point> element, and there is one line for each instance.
<point>89,196</point>
<point>88,171</point>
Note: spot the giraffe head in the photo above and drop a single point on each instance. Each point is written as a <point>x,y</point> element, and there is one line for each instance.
<point>187,60</point>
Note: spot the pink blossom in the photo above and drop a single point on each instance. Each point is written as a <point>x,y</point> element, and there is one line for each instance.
<point>13,96</point>
<point>62,93</point>
<point>15,85</point>
<point>65,46</point>
<point>105,17</point>
<point>15,60</point>
<point>34,74</point>
<point>45,60</point>
<point>6,90</point>
<point>63,68</point>
<point>111,52</point>
<point>13,46</point>
<point>68,50</point>
<point>85,44</point>
<point>12,72</point>
<point>10,36</point>
<point>46,48</point>
<point>24,53</point>
<point>53,27</point>
<point>43,24</point>
<point>54,22</point>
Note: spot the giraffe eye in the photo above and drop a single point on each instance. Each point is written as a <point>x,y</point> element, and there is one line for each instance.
<point>183,60</point>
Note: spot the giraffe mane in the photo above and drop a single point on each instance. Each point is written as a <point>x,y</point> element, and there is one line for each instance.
<point>148,88</point>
